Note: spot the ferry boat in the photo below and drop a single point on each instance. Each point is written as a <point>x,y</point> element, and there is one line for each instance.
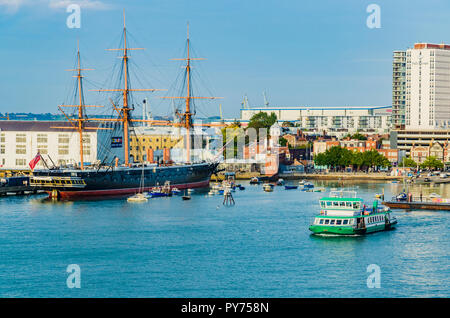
<point>342,213</point>
<point>122,178</point>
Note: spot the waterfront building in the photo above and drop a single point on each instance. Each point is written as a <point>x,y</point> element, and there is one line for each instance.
<point>337,121</point>
<point>404,140</point>
<point>57,142</point>
<point>148,140</point>
<point>436,149</point>
<point>296,140</point>
<point>428,86</point>
<point>398,89</point>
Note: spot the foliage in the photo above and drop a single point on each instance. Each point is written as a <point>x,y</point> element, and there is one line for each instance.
<point>287,124</point>
<point>408,162</point>
<point>339,158</point>
<point>282,141</point>
<point>432,163</point>
<point>262,120</point>
<point>356,136</point>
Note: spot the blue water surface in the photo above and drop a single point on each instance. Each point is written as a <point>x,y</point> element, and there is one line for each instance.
<point>261,247</point>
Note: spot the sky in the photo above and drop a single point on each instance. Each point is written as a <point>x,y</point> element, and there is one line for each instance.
<point>301,53</point>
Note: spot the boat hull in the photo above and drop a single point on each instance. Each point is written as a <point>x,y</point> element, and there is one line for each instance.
<point>350,230</point>
<point>107,182</point>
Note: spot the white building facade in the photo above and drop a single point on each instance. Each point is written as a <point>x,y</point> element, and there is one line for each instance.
<point>344,119</point>
<point>20,141</point>
<point>428,86</point>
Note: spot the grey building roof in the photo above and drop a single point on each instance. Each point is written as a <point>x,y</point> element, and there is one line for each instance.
<point>31,125</point>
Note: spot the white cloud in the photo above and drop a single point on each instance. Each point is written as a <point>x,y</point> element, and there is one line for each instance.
<point>84,4</point>
<point>11,6</point>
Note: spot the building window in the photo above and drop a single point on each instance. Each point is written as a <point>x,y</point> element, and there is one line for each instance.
<point>42,138</point>
<point>21,149</point>
<point>21,162</point>
<point>42,149</point>
<point>2,137</point>
<point>87,150</point>
<point>21,138</point>
<point>2,149</point>
<point>63,150</point>
<point>63,138</point>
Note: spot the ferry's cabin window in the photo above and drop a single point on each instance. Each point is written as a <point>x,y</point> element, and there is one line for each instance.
<point>327,221</point>
<point>321,221</point>
<point>322,204</point>
<point>335,203</point>
<point>329,204</point>
<point>342,204</point>
<point>348,204</point>
<point>356,205</point>
<point>332,222</point>
<point>338,222</point>
<point>345,222</point>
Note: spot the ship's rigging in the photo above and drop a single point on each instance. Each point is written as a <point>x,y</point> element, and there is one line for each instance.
<point>124,112</point>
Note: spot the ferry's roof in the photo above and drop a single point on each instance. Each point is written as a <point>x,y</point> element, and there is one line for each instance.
<point>342,199</point>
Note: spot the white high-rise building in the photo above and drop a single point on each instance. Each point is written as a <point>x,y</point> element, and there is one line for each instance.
<point>428,86</point>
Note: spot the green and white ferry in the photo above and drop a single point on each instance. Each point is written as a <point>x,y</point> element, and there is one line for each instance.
<point>342,213</point>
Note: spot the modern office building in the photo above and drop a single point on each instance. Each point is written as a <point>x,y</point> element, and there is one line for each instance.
<point>398,89</point>
<point>334,120</point>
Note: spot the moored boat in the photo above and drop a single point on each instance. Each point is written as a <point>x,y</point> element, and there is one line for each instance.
<point>342,213</point>
<point>268,187</point>
<point>290,187</point>
<point>138,197</point>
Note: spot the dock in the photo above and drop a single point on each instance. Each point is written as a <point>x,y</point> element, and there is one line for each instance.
<point>417,205</point>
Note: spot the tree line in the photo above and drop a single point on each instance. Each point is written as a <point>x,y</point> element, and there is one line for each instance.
<point>339,158</point>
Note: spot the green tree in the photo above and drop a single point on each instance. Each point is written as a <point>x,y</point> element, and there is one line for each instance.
<point>262,120</point>
<point>287,124</point>
<point>282,141</point>
<point>408,162</point>
<point>432,163</point>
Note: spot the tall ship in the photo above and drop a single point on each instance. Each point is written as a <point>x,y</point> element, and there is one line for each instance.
<point>125,177</point>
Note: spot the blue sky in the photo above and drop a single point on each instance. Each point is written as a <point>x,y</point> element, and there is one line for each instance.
<point>317,53</point>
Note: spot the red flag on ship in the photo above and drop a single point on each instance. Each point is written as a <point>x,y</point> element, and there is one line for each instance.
<point>34,161</point>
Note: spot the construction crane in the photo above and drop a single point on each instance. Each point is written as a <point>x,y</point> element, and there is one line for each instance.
<point>266,102</point>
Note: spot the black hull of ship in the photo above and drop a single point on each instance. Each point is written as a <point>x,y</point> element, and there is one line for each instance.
<point>121,181</point>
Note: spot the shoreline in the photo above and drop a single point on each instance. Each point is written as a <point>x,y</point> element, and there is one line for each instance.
<point>315,176</point>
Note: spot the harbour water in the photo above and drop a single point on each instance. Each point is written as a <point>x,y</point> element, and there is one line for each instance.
<point>261,247</point>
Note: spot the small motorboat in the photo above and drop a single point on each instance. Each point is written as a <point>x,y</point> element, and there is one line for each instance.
<point>186,197</point>
<point>176,191</point>
<point>290,187</point>
<point>307,186</point>
<point>280,182</point>
<point>268,187</point>
<point>138,197</point>
<point>255,180</point>
<point>241,188</point>
<point>319,189</point>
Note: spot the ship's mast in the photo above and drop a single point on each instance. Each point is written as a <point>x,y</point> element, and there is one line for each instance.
<point>124,112</point>
<point>187,115</point>
<point>78,123</point>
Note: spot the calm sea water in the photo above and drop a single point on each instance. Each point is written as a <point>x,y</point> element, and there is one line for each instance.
<point>259,248</point>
